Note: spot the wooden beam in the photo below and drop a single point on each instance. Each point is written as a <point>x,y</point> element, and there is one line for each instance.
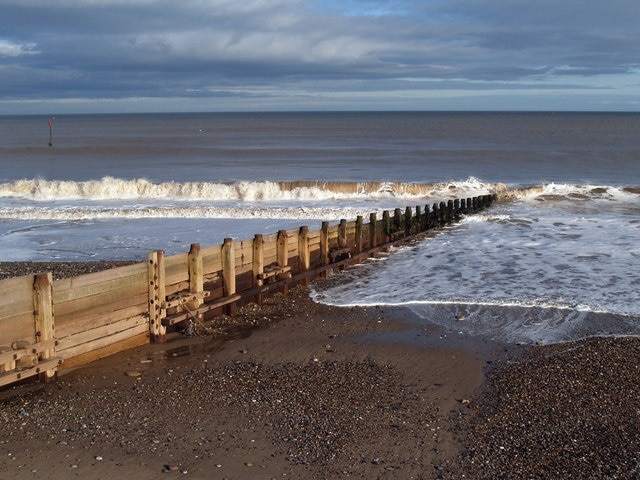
<point>358,235</point>
<point>373,233</point>
<point>49,365</point>
<point>342,233</point>
<point>196,271</point>
<point>229,272</point>
<point>43,318</point>
<point>206,307</point>
<point>283,253</point>
<point>386,226</point>
<point>258,264</point>
<point>324,243</point>
<point>156,295</point>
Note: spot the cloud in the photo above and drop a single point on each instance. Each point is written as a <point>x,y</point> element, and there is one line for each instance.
<point>9,49</point>
<point>123,49</point>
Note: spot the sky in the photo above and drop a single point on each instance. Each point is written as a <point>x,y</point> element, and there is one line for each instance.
<point>120,56</point>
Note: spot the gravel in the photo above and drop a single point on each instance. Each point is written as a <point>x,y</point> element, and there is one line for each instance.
<point>560,411</point>
<point>310,411</point>
<point>58,269</point>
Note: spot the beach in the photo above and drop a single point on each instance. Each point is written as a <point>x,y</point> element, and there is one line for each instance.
<point>297,389</point>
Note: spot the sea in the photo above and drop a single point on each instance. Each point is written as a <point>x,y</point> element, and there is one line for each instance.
<point>556,260</point>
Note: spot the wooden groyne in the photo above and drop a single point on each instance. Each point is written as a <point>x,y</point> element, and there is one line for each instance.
<point>47,325</point>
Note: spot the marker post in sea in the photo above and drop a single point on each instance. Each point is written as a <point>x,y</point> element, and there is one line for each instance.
<point>51,132</point>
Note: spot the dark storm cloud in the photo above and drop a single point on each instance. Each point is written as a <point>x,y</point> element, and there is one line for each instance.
<point>96,50</point>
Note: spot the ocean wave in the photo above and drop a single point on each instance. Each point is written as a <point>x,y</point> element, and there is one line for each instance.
<point>569,192</point>
<point>111,197</point>
<point>27,213</point>
<point>110,188</point>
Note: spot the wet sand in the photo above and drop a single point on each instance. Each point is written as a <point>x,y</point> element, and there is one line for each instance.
<point>294,389</point>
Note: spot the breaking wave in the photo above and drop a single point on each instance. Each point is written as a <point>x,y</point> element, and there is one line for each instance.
<point>110,188</point>
<point>109,197</point>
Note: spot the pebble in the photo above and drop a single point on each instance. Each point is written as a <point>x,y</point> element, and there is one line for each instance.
<point>566,411</point>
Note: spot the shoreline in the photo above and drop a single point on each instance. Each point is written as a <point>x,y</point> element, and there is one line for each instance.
<point>295,389</point>
<point>301,396</point>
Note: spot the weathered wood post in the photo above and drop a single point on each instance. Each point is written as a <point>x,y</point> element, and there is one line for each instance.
<point>436,215</point>
<point>450,211</point>
<point>157,296</point>
<point>196,272</point>
<point>358,239</point>
<point>373,230</point>
<point>229,273</point>
<point>398,221</point>
<point>342,233</point>
<point>282,254</point>
<point>50,123</point>
<point>43,319</point>
<point>408,221</point>
<point>428,219</point>
<point>258,264</point>
<point>304,252</point>
<point>442,209</point>
<point>324,246</point>
<point>419,220</point>
<point>456,209</point>
<point>386,225</point>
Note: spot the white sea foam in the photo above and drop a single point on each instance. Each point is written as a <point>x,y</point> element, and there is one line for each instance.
<point>110,188</point>
<point>74,213</point>
<point>524,271</point>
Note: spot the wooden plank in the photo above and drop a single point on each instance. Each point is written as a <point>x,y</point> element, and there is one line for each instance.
<point>68,291</point>
<point>176,287</point>
<point>13,309</point>
<point>17,327</point>
<point>107,350</point>
<point>65,307</point>
<point>65,313</point>
<point>10,354</point>
<point>270,238</point>
<point>270,247</point>
<point>211,266</point>
<point>176,269</point>
<point>90,319</point>
<point>16,290</point>
<point>43,366</point>
<point>273,271</point>
<point>212,252</point>
<point>212,278</point>
<point>177,277</point>
<point>206,307</point>
<point>103,276</point>
<point>185,298</point>
<point>99,337</point>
